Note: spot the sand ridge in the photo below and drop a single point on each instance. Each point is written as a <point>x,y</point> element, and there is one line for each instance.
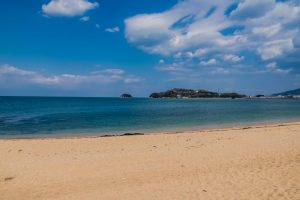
<point>259,162</point>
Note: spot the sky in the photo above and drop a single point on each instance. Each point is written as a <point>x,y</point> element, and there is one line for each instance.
<point>108,47</point>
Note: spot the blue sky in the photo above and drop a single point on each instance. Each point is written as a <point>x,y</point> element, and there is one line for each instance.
<point>107,47</point>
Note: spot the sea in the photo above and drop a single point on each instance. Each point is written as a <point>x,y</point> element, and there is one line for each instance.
<point>93,116</point>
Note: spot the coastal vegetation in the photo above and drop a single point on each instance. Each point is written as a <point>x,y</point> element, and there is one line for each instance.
<point>189,93</point>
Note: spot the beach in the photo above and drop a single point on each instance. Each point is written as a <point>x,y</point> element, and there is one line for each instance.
<point>257,162</point>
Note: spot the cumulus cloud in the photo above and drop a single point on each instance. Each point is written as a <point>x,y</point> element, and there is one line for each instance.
<point>181,28</point>
<point>194,31</point>
<point>106,76</point>
<point>113,30</point>
<point>68,8</point>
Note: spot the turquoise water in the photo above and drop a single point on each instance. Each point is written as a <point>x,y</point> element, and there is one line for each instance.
<point>51,116</point>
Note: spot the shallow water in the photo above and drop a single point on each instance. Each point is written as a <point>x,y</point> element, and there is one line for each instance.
<point>51,116</point>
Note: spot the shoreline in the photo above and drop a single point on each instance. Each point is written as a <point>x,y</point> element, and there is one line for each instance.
<point>223,127</point>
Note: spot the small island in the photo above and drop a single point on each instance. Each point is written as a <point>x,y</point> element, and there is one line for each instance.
<point>126,95</point>
<point>189,93</point>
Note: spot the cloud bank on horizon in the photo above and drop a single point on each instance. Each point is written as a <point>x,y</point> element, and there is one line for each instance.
<point>234,36</point>
<point>104,76</point>
<point>10,76</point>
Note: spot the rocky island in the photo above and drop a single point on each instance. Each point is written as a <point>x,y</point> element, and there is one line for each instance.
<point>125,95</point>
<point>189,93</point>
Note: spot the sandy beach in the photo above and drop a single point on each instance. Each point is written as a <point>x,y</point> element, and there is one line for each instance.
<point>259,162</point>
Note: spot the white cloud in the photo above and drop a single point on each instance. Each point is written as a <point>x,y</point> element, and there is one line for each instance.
<point>132,79</point>
<point>220,70</point>
<point>197,30</point>
<point>110,71</point>
<point>273,67</point>
<point>85,18</point>
<point>182,28</point>
<point>233,58</point>
<point>190,54</point>
<point>11,70</point>
<point>105,76</point>
<point>275,48</point>
<point>267,31</point>
<point>161,61</point>
<point>97,25</point>
<point>212,61</point>
<point>252,9</point>
<point>173,67</point>
<point>113,30</point>
<point>68,8</point>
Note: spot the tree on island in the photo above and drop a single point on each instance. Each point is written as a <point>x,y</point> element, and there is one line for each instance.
<point>232,95</point>
<point>189,93</point>
<point>125,95</point>
<point>259,95</point>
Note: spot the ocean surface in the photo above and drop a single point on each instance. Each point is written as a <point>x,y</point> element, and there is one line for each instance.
<point>54,116</point>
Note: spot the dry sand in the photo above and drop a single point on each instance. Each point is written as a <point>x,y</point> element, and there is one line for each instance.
<point>230,164</point>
